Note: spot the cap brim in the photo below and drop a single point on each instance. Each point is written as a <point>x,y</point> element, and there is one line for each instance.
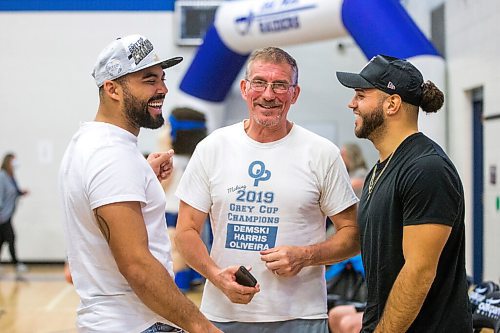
<point>163,63</point>
<point>170,62</point>
<point>353,80</point>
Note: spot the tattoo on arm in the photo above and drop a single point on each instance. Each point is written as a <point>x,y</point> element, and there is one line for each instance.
<point>103,225</point>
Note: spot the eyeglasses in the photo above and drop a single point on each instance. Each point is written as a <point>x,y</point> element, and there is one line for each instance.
<point>277,87</point>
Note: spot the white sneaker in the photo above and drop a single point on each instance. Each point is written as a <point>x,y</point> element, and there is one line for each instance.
<point>21,268</point>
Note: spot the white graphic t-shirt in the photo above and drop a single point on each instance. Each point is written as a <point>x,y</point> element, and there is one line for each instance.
<point>262,195</point>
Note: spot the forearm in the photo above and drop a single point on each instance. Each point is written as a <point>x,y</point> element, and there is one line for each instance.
<point>195,253</point>
<point>155,287</point>
<point>405,300</point>
<point>342,245</point>
<point>145,274</point>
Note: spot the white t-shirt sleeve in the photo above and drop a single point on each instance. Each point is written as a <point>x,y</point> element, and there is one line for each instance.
<point>194,187</point>
<point>110,180</point>
<point>337,193</point>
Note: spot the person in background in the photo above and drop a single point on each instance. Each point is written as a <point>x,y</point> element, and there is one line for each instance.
<point>9,194</point>
<point>356,166</point>
<point>412,211</point>
<point>187,128</point>
<point>268,185</point>
<point>114,206</point>
<point>67,273</point>
<point>347,318</point>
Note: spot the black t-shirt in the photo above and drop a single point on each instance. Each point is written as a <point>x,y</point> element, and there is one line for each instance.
<point>420,185</point>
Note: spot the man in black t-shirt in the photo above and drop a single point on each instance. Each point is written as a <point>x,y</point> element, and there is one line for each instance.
<point>411,213</point>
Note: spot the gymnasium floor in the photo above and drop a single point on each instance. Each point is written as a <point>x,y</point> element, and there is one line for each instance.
<point>40,301</point>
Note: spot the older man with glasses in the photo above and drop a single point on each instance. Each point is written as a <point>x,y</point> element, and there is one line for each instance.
<point>268,185</point>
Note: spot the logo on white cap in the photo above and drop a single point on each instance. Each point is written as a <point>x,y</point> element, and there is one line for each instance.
<point>140,49</point>
<point>114,67</point>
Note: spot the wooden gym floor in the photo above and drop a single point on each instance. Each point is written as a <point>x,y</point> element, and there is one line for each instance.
<point>40,300</point>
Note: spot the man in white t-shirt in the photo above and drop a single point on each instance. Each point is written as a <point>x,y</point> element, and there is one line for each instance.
<point>117,245</point>
<point>268,186</point>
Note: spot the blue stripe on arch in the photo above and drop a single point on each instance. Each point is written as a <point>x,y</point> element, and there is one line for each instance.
<point>87,5</point>
<point>213,70</point>
<point>384,27</point>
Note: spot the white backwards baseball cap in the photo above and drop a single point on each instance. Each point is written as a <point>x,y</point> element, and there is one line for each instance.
<point>128,55</point>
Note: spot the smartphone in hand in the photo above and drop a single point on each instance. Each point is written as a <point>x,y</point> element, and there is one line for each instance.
<point>245,278</point>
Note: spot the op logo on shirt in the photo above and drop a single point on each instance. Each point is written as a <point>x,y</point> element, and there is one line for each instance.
<point>252,216</point>
<point>257,170</point>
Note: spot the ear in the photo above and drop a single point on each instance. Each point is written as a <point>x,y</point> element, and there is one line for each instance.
<point>243,88</point>
<point>296,93</point>
<point>112,89</point>
<point>393,103</point>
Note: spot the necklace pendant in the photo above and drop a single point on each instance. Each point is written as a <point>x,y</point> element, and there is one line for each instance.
<point>374,179</point>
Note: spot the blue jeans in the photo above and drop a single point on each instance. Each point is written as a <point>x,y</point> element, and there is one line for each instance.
<point>161,327</point>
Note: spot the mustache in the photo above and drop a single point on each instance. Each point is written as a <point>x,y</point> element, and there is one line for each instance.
<point>268,104</point>
<point>156,97</point>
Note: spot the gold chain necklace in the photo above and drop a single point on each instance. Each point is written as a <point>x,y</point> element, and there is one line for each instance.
<point>374,180</point>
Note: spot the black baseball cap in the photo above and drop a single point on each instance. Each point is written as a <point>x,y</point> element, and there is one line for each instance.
<point>389,74</point>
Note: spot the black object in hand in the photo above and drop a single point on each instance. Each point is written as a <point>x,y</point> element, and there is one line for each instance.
<point>245,278</point>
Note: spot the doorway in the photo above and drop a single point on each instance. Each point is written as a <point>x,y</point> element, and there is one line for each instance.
<point>478,184</point>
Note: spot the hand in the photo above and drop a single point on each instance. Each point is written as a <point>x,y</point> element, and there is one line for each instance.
<point>161,163</point>
<point>285,260</point>
<point>226,282</point>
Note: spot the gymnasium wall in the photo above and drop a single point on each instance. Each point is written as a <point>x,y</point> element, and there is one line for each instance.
<point>47,90</point>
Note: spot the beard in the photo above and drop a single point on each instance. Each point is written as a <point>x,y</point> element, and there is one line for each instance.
<point>269,122</point>
<point>370,123</point>
<point>137,112</point>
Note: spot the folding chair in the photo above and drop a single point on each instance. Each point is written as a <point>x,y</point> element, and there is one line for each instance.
<point>345,282</point>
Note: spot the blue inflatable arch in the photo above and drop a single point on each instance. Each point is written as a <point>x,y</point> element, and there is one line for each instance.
<point>377,26</point>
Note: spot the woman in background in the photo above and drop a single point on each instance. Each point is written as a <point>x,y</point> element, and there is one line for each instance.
<point>9,193</point>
